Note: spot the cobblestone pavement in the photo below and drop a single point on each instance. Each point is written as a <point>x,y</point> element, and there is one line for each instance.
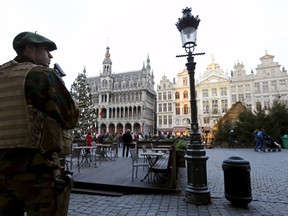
<point>269,180</point>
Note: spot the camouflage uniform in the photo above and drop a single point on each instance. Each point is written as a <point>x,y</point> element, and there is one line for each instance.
<point>27,176</point>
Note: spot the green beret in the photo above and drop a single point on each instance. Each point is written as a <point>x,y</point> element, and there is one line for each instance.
<point>25,38</point>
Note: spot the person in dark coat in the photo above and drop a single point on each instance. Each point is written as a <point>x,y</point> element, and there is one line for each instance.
<point>126,139</point>
<point>231,139</point>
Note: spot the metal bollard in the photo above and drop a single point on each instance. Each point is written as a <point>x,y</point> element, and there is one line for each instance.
<point>237,183</point>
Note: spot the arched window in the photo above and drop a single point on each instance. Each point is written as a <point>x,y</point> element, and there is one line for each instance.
<point>186,109</point>
<point>177,95</point>
<point>185,94</point>
<point>104,83</point>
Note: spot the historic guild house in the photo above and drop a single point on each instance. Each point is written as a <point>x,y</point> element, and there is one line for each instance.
<point>125,100</point>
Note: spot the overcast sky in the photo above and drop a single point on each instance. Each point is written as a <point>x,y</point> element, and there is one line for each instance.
<point>231,30</point>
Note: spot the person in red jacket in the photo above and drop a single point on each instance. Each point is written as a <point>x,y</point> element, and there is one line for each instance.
<point>88,140</point>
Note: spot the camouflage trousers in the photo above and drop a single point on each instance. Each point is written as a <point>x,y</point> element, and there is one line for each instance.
<point>27,184</point>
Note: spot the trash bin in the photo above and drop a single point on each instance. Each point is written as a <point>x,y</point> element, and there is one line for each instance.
<point>285,141</point>
<point>237,183</point>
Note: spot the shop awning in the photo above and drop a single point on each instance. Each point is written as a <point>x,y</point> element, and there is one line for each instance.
<point>179,129</point>
<point>165,130</point>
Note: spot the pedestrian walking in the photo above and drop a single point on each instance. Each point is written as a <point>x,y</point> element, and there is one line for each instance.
<point>260,140</point>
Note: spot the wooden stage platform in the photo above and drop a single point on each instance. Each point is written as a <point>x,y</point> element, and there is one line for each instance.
<point>114,177</point>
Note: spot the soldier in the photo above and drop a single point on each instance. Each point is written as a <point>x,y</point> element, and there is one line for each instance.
<point>36,113</point>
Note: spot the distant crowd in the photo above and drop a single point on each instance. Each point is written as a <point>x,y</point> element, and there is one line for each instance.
<point>136,136</point>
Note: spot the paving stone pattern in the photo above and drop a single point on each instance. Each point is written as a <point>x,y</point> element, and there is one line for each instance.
<point>269,182</point>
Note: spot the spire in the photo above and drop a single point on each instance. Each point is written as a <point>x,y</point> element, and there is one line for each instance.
<point>148,63</point>
<point>107,63</point>
<point>143,68</point>
<point>107,55</point>
<point>84,70</point>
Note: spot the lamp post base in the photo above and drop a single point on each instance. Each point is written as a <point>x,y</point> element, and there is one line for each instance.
<point>197,191</point>
<point>197,197</point>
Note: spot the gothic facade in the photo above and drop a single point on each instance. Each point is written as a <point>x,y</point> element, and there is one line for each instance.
<point>124,100</point>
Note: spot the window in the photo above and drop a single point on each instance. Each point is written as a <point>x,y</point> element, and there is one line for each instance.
<point>258,106</point>
<point>160,120</point>
<point>186,121</point>
<point>185,81</point>
<point>186,109</point>
<point>169,107</point>
<point>165,122</point>
<point>169,95</point>
<point>257,87</point>
<point>282,84</point>
<point>164,107</point>
<point>177,95</point>
<point>247,87</point>
<point>215,106</point>
<point>104,83</point>
<point>273,85</point>
<point>240,88</point>
<point>185,94</point>
<point>177,111</point>
<point>266,103</point>
<point>233,88</point>
<point>97,99</point>
<point>241,97</point>
<point>159,96</point>
<point>170,120</point>
<point>214,92</point>
<point>164,96</point>
<point>205,107</point>
<point>224,105</point>
<point>177,122</point>
<point>233,98</point>
<point>223,91</point>
<point>205,93</point>
<point>160,108</point>
<point>248,98</point>
<point>265,87</point>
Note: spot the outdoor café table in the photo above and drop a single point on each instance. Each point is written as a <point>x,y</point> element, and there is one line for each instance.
<point>104,151</point>
<point>152,158</point>
<point>163,146</point>
<point>86,155</point>
<point>160,149</point>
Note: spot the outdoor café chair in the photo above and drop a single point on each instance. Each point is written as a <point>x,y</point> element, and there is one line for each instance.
<point>75,156</point>
<point>135,163</point>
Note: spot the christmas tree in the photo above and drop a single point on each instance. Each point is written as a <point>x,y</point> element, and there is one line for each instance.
<point>81,92</point>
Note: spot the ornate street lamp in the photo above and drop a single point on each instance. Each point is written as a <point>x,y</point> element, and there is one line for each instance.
<point>197,191</point>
